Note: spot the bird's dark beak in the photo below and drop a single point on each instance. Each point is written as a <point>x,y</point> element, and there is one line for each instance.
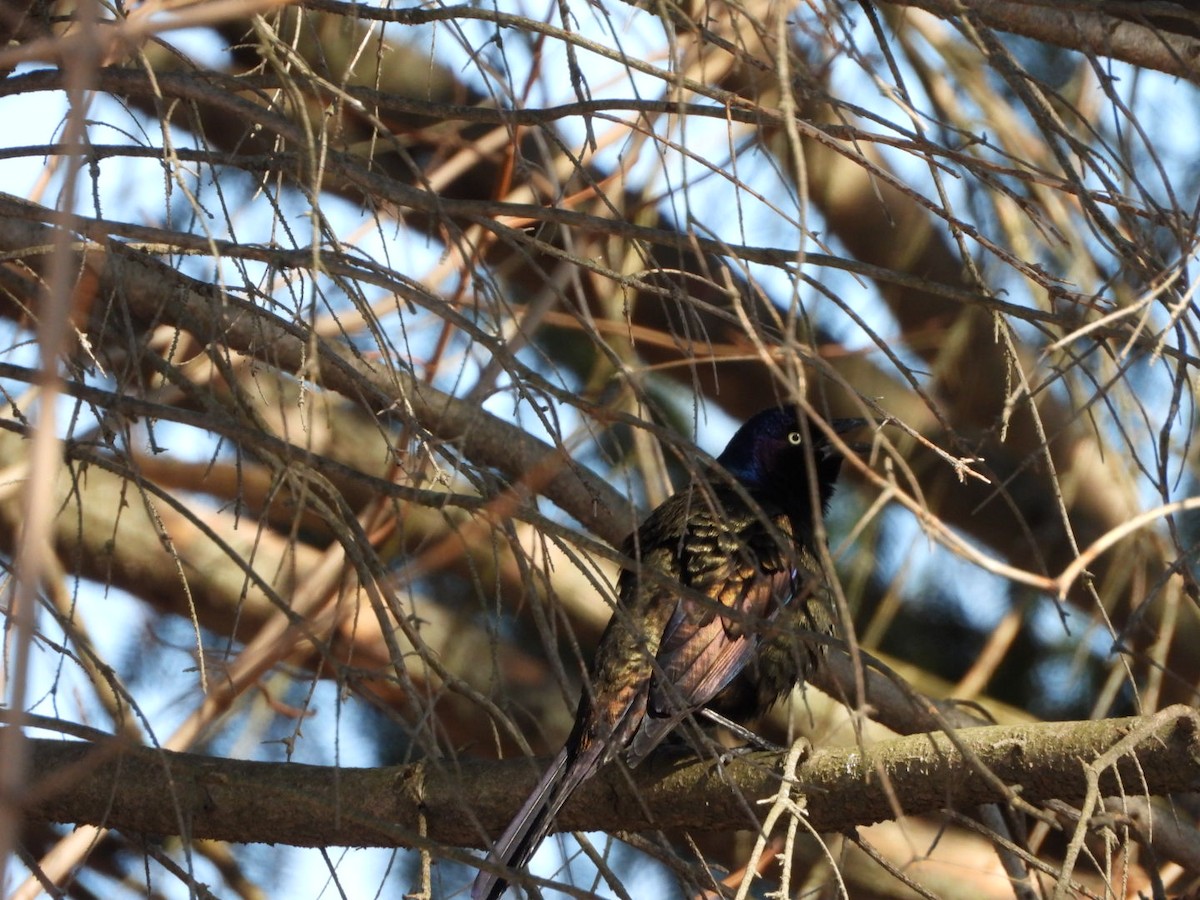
<point>845,426</point>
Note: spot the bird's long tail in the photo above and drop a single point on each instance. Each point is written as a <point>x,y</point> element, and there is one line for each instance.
<point>535,818</point>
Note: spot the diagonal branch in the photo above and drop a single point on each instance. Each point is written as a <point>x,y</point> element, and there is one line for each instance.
<point>153,293</point>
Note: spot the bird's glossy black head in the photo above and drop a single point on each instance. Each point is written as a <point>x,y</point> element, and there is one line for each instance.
<point>768,456</point>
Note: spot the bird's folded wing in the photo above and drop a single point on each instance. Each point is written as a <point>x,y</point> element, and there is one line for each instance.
<point>701,653</point>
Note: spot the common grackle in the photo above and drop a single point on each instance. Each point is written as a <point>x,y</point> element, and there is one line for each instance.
<point>720,626</point>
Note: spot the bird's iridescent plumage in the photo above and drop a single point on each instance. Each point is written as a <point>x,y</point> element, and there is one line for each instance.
<point>731,560</point>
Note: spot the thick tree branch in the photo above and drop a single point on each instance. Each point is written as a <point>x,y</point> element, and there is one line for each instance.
<point>144,790</point>
<point>1091,29</point>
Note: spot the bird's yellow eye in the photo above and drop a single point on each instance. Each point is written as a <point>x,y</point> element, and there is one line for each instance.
<point>794,438</point>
